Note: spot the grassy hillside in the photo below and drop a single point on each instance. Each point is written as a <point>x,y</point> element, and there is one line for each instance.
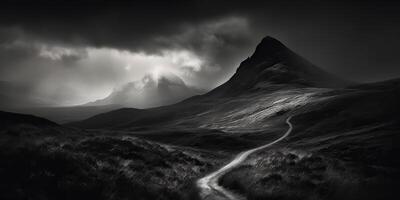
<point>342,147</point>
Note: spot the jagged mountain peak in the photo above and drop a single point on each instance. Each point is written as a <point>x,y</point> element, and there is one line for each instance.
<point>269,47</point>
<point>273,66</point>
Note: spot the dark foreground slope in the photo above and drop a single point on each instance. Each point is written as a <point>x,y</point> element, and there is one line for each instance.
<point>42,160</point>
<point>11,119</point>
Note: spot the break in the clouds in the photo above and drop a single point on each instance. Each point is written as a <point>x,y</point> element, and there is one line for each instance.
<point>71,76</point>
<point>65,74</point>
<point>71,53</point>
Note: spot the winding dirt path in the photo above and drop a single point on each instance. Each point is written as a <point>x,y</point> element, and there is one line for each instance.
<point>208,185</point>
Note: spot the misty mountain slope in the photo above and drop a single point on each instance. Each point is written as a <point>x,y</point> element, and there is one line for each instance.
<point>271,73</point>
<point>151,91</point>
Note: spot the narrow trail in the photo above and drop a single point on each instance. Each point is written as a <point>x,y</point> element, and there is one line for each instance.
<point>208,185</point>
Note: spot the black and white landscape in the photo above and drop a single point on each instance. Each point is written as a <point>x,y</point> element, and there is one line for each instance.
<point>191,100</point>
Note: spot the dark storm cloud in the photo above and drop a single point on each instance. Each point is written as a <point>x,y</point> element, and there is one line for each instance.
<point>355,39</point>
<point>103,23</point>
<point>334,34</point>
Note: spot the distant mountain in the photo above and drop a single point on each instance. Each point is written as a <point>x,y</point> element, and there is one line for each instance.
<point>150,91</point>
<point>17,97</point>
<point>63,114</point>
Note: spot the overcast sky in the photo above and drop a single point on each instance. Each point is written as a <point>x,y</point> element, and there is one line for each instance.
<point>67,53</point>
